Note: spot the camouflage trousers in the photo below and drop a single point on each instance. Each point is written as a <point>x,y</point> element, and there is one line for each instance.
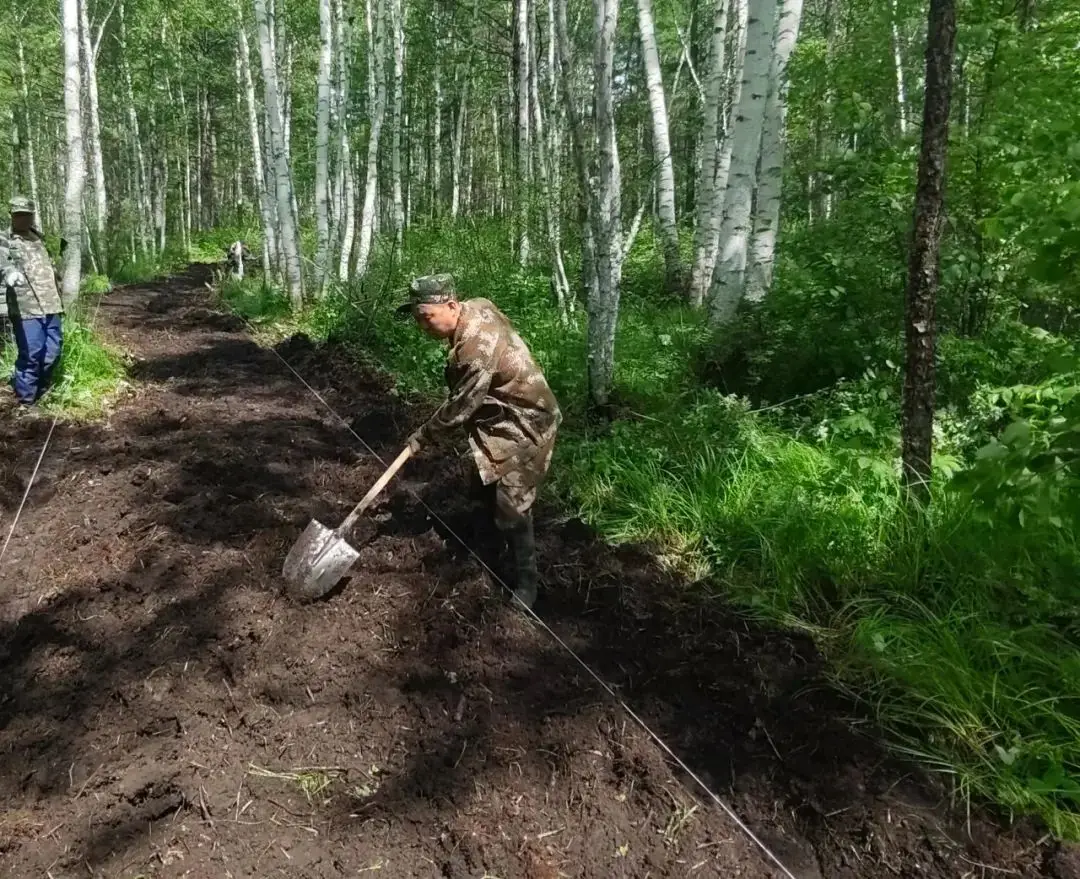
<point>511,498</point>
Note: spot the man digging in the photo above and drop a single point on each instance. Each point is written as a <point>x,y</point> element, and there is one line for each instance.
<point>499,396</point>
<point>32,289</point>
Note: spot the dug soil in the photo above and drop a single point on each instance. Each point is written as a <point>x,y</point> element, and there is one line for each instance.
<point>167,709</point>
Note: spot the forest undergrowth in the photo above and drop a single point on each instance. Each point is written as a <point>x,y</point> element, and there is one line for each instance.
<point>772,480</point>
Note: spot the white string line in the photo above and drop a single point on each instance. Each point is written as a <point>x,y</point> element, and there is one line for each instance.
<point>48,436</point>
<point>656,738</point>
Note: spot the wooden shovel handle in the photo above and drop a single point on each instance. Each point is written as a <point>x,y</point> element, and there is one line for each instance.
<point>350,520</point>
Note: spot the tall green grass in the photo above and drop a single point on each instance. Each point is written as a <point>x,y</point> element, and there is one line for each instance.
<point>956,627</point>
<point>87,376</point>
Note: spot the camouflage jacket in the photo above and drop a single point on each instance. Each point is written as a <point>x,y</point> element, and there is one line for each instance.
<point>497,393</point>
<point>32,287</point>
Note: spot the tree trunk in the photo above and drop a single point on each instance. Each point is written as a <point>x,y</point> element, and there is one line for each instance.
<point>604,306</point>
<point>771,164</point>
<point>397,13</point>
<point>586,201</point>
<point>186,171</point>
<point>459,135</point>
<point>922,282</point>
<point>89,54</point>
<point>31,168</point>
<point>898,63</point>
<point>378,113</point>
<point>348,197</point>
<point>551,213</point>
<point>730,272</point>
<point>521,155</point>
<point>436,146</point>
<point>290,241</point>
<point>76,165</point>
<point>266,211</point>
<point>665,170</point>
<point>708,223</point>
<point>140,194</point>
<point>322,146</point>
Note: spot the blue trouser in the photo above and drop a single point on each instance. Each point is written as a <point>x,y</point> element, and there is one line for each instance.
<point>39,340</point>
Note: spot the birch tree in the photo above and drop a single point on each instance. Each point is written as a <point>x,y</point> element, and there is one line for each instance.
<point>348,196</point>
<point>266,210</point>
<point>398,23</point>
<point>898,64</point>
<point>521,167</point>
<point>551,214</point>
<point>587,206</point>
<point>730,272</point>
<point>377,28</point>
<point>76,165</point>
<point>289,237</point>
<point>665,169</point>
<point>707,227</point>
<point>603,307</point>
<point>766,220</point>
<point>138,167</point>
<point>89,57</point>
<point>24,94</point>
<point>322,145</point>
<point>923,264</point>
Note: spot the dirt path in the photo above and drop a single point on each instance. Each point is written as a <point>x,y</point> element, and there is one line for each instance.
<point>166,711</point>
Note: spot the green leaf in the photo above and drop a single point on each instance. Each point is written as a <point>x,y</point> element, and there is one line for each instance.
<point>1017,434</point>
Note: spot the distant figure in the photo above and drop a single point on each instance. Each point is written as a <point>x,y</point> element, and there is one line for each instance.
<point>34,305</point>
<point>235,254</point>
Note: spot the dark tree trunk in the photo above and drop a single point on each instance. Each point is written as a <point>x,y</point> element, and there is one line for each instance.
<point>918,418</point>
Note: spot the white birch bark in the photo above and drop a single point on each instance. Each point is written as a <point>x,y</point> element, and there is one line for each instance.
<point>707,221</point>
<point>76,164</point>
<point>322,146</point>
<point>586,199</point>
<point>665,169</point>
<point>456,156</point>
<point>521,169</point>
<point>140,192</point>
<point>348,178</point>
<point>31,167</point>
<point>551,215</point>
<point>730,272</point>
<point>436,171</point>
<point>186,170</point>
<point>89,55</point>
<point>371,184</point>
<point>723,164</point>
<point>766,221</point>
<point>266,211</point>
<point>604,306</point>
<point>397,16</point>
<point>898,63</point>
<point>289,238</point>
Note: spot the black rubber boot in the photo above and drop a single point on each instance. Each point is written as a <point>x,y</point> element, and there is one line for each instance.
<point>523,546</point>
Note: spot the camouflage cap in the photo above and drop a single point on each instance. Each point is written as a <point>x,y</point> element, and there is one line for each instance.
<point>20,204</point>
<point>430,290</point>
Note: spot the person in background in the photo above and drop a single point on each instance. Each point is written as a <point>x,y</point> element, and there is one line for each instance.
<point>34,305</point>
<point>499,396</point>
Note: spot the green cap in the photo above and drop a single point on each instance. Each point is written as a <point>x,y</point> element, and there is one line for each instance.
<point>20,204</point>
<point>430,290</point>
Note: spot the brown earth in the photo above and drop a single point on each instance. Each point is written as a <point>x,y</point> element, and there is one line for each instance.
<point>166,710</point>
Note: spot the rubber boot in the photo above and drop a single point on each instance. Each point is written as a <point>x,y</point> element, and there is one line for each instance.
<point>523,546</point>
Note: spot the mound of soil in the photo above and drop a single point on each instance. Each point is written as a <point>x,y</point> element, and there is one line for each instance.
<point>166,709</point>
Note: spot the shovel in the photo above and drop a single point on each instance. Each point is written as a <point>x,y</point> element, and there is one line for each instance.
<point>321,557</point>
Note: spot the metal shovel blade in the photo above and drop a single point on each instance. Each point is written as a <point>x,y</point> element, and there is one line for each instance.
<point>321,557</point>
<point>318,560</point>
